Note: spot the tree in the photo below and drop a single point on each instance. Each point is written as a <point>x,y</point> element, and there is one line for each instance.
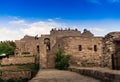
<point>7,47</point>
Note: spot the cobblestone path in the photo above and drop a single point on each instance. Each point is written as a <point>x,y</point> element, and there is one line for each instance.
<point>60,76</point>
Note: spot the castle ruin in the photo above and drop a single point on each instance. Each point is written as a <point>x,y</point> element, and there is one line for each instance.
<point>86,49</point>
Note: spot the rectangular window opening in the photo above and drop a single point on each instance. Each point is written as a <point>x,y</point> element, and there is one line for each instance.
<point>95,48</point>
<point>80,47</point>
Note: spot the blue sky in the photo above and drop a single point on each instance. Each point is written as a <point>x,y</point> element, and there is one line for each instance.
<point>66,9</point>
<point>20,17</point>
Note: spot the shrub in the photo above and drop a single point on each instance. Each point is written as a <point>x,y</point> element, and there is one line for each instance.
<point>62,60</point>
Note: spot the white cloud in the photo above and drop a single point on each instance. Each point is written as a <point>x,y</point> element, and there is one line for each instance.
<point>11,32</point>
<point>32,29</point>
<point>17,22</point>
<point>13,17</point>
<point>98,31</point>
<point>50,20</point>
<point>39,28</point>
<point>8,34</point>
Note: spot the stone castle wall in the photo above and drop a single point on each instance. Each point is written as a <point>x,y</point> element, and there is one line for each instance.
<point>110,48</point>
<point>16,75</point>
<point>85,48</point>
<point>17,60</point>
<point>87,56</point>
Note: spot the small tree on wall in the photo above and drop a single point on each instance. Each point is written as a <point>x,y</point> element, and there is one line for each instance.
<point>61,59</point>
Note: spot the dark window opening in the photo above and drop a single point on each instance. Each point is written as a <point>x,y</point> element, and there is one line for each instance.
<point>38,49</point>
<point>80,47</point>
<point>95,48</point>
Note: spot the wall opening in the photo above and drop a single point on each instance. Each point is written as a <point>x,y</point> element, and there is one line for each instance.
<point>47,42</point>
<point>95,48</point>
<point>38,49</point>
<point>79,47</point>
<point>116,56</point>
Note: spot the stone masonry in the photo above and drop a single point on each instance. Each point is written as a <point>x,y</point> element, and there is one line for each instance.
<point>86,49</point>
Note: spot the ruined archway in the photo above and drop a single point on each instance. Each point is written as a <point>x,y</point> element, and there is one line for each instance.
<point>47,42</point>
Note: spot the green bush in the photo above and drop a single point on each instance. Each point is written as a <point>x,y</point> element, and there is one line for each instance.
<point>25,52</point>
<point>62,60</point>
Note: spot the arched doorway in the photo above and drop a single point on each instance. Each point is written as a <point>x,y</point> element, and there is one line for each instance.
<point>47,42</point>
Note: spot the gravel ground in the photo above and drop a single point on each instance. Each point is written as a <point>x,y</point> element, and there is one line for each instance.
<point>50,75</point>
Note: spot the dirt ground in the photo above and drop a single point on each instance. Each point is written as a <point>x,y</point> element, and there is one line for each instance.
<point>52,75</point>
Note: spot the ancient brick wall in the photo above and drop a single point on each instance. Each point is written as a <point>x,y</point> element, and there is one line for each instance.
<point>55,35</point>
<point>16,75</point>
<point>85,48</point>
<point>109,48</point>
<point>87,55</point>
<point>17,60</point>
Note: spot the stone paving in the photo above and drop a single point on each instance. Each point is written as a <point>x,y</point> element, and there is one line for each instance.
<point>52,75</point>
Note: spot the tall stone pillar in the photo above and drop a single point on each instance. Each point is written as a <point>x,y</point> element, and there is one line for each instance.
<point>43,57</point>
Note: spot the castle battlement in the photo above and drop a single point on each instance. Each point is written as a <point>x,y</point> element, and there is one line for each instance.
<point>63,30</point>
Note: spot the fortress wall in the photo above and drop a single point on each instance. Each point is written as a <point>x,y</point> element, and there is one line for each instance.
<point>86,56</point>
<point>70,41</point>
<point>17,75</point>
<point>55,35</point>
<point>110,48</point>
<point>17,60</point>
